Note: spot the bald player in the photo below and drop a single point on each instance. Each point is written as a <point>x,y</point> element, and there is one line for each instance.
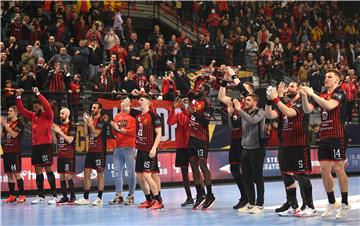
<point>65,134</point>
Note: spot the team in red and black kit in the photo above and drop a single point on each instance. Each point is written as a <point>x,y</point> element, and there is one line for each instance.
<point>65,134</point>
<point>332,146</point>
<point>42,153</point>
<point>182,119</point>
<point>294,151</point>
<point>148,135</point>
<point>10,141</point>
<point>95,157</point>
<point>234,120</point>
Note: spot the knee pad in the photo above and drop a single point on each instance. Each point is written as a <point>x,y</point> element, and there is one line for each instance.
<point>288,179</point>
<point>303,180</point>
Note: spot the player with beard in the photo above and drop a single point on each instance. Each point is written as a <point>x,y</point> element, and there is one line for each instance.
<point>42,154</point>
<point>10,142</point>
<point>200,111</point>
<point>333,143</point>
<point>94,127</point>
<point>235,125</point>
<point>148,136</point>
<point>65,134</point>
<point>294,151</point>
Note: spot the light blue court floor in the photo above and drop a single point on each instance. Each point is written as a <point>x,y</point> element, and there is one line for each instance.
<point>220,214</point>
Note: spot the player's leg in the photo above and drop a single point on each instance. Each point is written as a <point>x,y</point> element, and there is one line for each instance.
<point>20,184</point>
<point>119,165</point>
<point>70,183</point>
<point>344,188</point>
<point>52,182</point>
<point>130,166</point>
<point>11,184</point>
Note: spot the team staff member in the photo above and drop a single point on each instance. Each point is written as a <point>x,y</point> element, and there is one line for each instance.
<point>94,127</point>
<point>65,134</point>
<point>124,127</point>
<point>42,154</point>
<point>10,141</point>
<point>236,130</point>
<point>253,153</point>
<point>332,146</point>
<point>294,152</point>
<point>182,120</point>
<point>148,136</point>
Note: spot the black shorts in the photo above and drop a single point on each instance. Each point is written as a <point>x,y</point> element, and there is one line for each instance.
<point>235,152</point>
<point>332,150</point>
<point>197,148</point>
<point>66,165</point>
<point>42,155</point>
<point>12,162</point>
<point>295,159</point>
<point>95,160</point>
<point>146,164</point>
<point>182,158</point>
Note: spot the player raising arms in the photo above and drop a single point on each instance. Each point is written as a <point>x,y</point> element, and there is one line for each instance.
<point>10,141</point>
<point>332,146</point>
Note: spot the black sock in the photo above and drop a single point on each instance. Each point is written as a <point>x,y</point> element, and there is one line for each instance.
<point>209,189</point>
<point>86,194</point>
<point>157,197</point>
<point>331,197</point>
<point>148,197</point>
<point>344,198</point>
<point>160,196</point>
<point>11,188</point>
<point>63,188</point>
<point>199,189</point>
<point>100,193</point>
<point>291,194</point>
<point>51,180</point>
<point>71,187</point>
<point>308,197</point>
<point>152,195</point>
<point>20,184</point>
<point>40,185</point>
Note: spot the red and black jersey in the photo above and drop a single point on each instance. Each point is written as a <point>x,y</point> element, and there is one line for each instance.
<point>97,144</point>
<point>66,150</point>
<point>145,129</point>
<point>141,81</point>
<point>332,122</point>
<point>10,144</point>
<point>236,130</point>
<point>199,119</point>
<point>57,82</point>
<point>294,131</point>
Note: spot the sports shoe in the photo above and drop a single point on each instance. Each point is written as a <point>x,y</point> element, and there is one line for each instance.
<point>240,204</point>
<point>156,205</point>
<point>72,201</point>
<point>21,199</point>
<point>209,202</point>
<point>343,211</point>
<point>188,202</point>
<point>286,213</point>
<point>53,201</point>
<point>330,209</point>
<point>284,207</point>
<point>82,201</point>
<point>200,200</point>
<point>308,212</point>
<point>245,208</point>
<point>10,199</point>
<point>117,200</point>
<point>98,202</point>
<point>63,201</point>
<point>256,210</point>
<point>129,200</point>
<point>145,204</point>
<point>38,200</point>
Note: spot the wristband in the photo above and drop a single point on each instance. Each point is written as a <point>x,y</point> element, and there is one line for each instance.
<point>269,102</point>
<point>234,77</point>
<point>223,83</point>
<point>18,97</point>
<point>38,93</point>
<point>276,100</point>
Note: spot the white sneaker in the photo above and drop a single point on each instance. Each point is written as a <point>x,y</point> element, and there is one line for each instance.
<point>308,212</point>
<point>245,208</point>
<point>256,210</point>
<point>330,210</point>
<point>98,202</point>
<point>288,213</point>
<point>82,201</point>
<point>38,200</point>
<point>53,201</point>
<point>343,211</point>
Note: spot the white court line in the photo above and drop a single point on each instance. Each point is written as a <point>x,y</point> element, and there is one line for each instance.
<point>354,201</point>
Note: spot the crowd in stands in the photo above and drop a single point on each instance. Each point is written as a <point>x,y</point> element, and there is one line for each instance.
<point>75,45</point>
